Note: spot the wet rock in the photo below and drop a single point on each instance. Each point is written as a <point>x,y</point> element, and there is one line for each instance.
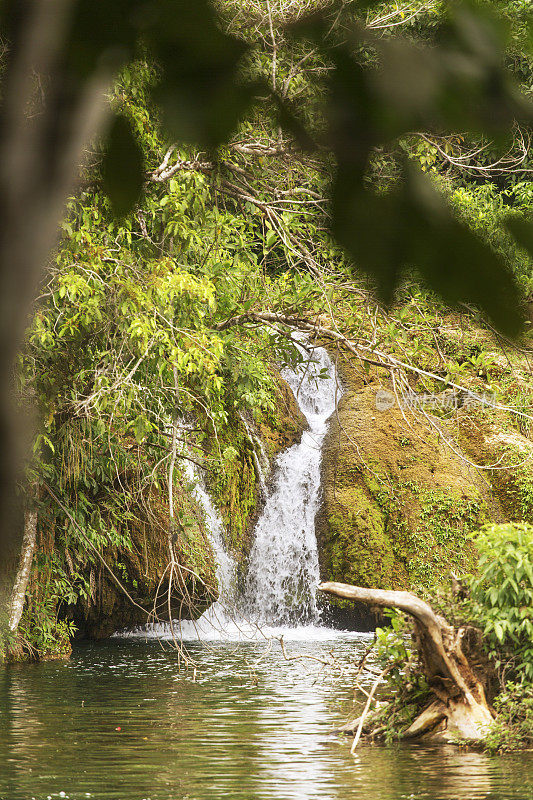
<point>398,503</point>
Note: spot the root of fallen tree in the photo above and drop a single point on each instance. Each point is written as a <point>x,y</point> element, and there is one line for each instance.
<point>459,710</point>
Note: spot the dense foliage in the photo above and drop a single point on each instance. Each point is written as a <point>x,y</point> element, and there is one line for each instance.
<point>152,322</point>
<point>498,600</point>
<point>502,594</point>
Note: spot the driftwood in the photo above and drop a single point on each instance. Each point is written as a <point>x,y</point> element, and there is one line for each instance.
<point>459,710</point>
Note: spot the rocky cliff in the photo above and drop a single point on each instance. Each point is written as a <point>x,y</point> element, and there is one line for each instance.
<point>398,501</point>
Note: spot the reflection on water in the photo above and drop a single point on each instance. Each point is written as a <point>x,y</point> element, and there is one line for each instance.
<point>119,721</point>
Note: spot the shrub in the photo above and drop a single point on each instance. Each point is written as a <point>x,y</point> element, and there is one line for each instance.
<point>502,596</point>
<point>513,727</point>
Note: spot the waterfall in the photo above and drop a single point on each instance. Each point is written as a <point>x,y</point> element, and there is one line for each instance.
<point>283,570</point>
<point>225,565</point>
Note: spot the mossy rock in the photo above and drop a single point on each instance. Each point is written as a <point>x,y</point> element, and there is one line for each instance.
<point>283,427</point>
<point>236,489</point>
<point>492,440</point>
<point>398,503</point>
<point>142,568</point>
<point>140,565</point>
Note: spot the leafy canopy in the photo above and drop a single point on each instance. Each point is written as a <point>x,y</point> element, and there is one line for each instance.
<point>376,90</point>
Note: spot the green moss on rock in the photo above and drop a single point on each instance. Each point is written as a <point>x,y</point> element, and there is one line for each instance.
<point>282,427</point>
<point>70,589</point>
<point>398,504</point>
<point>236,488</point>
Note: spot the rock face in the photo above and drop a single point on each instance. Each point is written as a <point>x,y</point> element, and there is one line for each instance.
<point>285,427</point>
<point>142,569</point>
<point>237,489</point>
<point>398,503</point>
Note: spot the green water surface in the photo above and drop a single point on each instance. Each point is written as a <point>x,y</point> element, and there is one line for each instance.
<point>121,721</point>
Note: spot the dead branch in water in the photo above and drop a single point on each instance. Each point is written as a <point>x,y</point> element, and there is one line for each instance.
<point>460,709</point>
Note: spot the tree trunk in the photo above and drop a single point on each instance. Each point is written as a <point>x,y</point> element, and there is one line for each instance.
<point>460,709</point>
<point>41,148</point>
<point>23,573</point>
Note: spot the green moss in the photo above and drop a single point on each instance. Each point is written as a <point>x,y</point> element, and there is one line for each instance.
<point>394,537</point>
<point>281,425</point>
<point>523,480</point>
<point>437,540</point>
<point>358,544</point>
<point>235,487</point>
<point>357,527</point>
<point>398,508</point>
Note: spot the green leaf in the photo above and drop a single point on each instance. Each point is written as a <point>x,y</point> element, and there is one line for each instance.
<point>413,227</point>
<point>522,230</point>
<point>271,238</point>
<point>123,167</point>
<point>140,429</point>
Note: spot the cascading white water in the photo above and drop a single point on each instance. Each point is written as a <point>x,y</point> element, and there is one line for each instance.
<point>218,617</point>
<point>283,570</point>
<point>225,565</point>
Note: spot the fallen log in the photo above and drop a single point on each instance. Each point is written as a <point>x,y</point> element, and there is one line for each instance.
<point>459,708</point>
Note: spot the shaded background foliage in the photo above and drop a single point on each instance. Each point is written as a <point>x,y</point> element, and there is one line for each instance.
<point>230,128</point>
